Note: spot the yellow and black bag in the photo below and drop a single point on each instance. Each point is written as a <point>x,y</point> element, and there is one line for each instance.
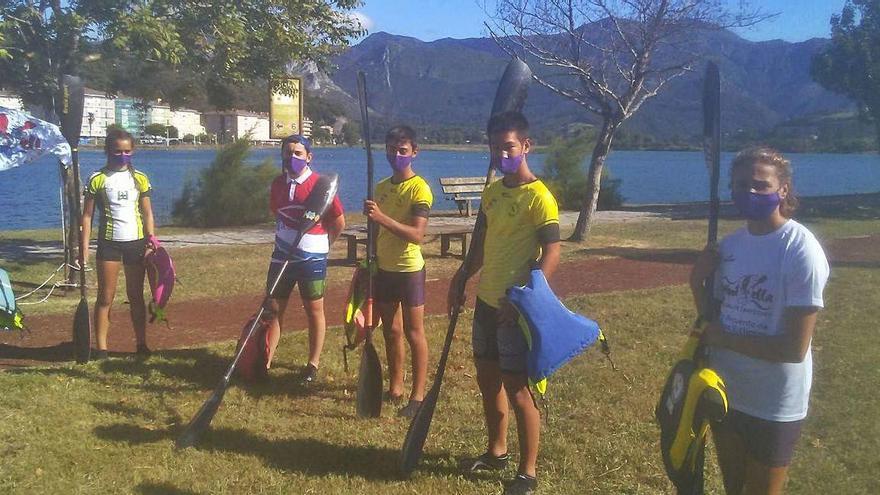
<point>692,397</point>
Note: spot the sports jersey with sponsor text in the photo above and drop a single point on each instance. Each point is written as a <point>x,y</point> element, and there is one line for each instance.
<point>287,197</point>
<point>117,196</point>
<point>514,215</point>
<point>401,201</point>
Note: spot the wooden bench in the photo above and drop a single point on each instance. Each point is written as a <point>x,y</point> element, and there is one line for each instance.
<point>463,190</point>
<point>357,235</point>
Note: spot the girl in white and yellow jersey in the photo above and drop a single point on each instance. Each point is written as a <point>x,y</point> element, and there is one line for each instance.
<point>126,232</point>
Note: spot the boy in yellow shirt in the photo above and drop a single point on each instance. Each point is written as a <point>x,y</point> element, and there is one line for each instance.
<point>517,228</point>
<point>401,207</point>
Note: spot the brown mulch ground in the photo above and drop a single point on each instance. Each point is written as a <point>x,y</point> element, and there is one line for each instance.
<point>202,321</point>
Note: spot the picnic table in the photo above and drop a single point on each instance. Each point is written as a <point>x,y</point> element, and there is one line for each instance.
<point>449,232</point>
<point>463,190</point>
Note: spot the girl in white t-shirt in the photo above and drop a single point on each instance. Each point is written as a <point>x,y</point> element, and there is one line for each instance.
<point>126,234</point>
<point>768,281</point>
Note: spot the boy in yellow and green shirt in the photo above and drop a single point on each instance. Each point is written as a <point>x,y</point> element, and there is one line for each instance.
<point>517,228</point>
<point>401,207</point>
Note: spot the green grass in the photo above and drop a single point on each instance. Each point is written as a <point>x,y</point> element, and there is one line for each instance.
<point>109,427</point>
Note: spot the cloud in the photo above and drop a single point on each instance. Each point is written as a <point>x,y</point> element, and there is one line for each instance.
<point>363,20</point>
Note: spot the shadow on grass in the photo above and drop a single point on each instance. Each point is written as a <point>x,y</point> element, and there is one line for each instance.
<point>153,488</point>
<point>31,252</point>
<point>673,256</point>
<point>304,455</point>
<point>316,457</point>
<point>49,354</point>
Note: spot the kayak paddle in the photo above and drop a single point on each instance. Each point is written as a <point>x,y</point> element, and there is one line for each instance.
<point>369,388</point>
<point>71,113</point>
<point>510,95</point>
<point>316,204</point>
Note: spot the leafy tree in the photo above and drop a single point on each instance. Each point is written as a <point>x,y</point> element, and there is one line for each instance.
<point>850,65</point>
<point>566,177</point>
<point>609,57</point>
<point>321,136</point>
<point>155,130</point>
<point>322,111</point>
<point>351,134</point>
<point>220,43</point>
<point>228,181</point>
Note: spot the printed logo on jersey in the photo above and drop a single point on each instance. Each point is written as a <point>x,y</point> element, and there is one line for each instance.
<point>122,195</point>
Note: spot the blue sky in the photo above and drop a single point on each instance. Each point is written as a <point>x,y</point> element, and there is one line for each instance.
<point>433,19</point>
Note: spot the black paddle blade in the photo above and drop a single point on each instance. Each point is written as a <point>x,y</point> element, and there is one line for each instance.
<point>82,333</point>
<point>69,107</point>
<point>369,391</point>
<point>513,87</point>
<point>414,443</point>
<point>712,142</point>
<point>202,420</point>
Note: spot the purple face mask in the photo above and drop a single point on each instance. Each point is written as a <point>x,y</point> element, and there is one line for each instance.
<point>119,161</point>
<point>400,162</point>
<point>509,165</point>
<point>754,206</point>
<point>295,165</point>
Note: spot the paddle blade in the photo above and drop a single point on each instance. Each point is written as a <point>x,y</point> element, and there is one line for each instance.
<point>70,105</point>
<point>712,141</point>
<point>82,333</point>
<point>414,443</point>
<point>369,391</point>
<point>513,88</point>
<point>202,420</point>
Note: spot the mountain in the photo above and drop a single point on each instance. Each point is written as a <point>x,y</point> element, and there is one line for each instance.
<point>451,82</point>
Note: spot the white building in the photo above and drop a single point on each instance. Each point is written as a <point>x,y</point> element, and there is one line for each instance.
<point>159,114</point>
<point>10,101</point>
<point>187,122</point>
<point>307,128</point>
<point>99,111</point>
<point>237,124</point>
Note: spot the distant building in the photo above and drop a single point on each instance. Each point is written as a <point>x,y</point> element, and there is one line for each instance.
<point>159,114</point>
<point>237,124</point>
<point>328,128</point>
<point>130,114</point>
<point>99,111</point>
<point>307,127</point>
<point>187,122</point>
<point>10,101</point>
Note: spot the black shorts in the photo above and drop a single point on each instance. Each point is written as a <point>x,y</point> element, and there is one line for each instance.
<point>493,341</point>
<point>406,288</point>
<point>128,252</point>
<point>770,443</point>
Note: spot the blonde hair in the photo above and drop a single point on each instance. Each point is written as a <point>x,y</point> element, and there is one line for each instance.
<point>769,156</point>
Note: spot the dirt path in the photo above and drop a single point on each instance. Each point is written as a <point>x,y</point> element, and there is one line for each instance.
<point>203,321</point>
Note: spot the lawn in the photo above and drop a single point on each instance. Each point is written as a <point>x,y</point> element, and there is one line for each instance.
<point>109,427</point>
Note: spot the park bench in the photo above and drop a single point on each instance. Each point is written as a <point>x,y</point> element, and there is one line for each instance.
<point>463,190</point>
<point>448,232</point>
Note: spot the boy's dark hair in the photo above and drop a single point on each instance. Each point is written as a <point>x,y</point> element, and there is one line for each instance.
<point>297,138</point>
<point>400,133</point>
<point>114,135</point>
<point>509,121</point>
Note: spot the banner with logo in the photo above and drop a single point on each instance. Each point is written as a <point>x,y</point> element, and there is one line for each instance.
<point>24,138</point>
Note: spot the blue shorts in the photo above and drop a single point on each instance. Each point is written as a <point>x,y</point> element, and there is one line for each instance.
<point>496,342</point>
<point>309,273</point>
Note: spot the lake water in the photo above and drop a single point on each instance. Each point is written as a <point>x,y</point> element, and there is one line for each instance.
<point>29,195</point>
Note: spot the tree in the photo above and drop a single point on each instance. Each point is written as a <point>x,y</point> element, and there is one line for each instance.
<point>351,134</point>
<point>220,43</point>
<point>155,130</point>
<point>850,65</point>
<point>609,57</point>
